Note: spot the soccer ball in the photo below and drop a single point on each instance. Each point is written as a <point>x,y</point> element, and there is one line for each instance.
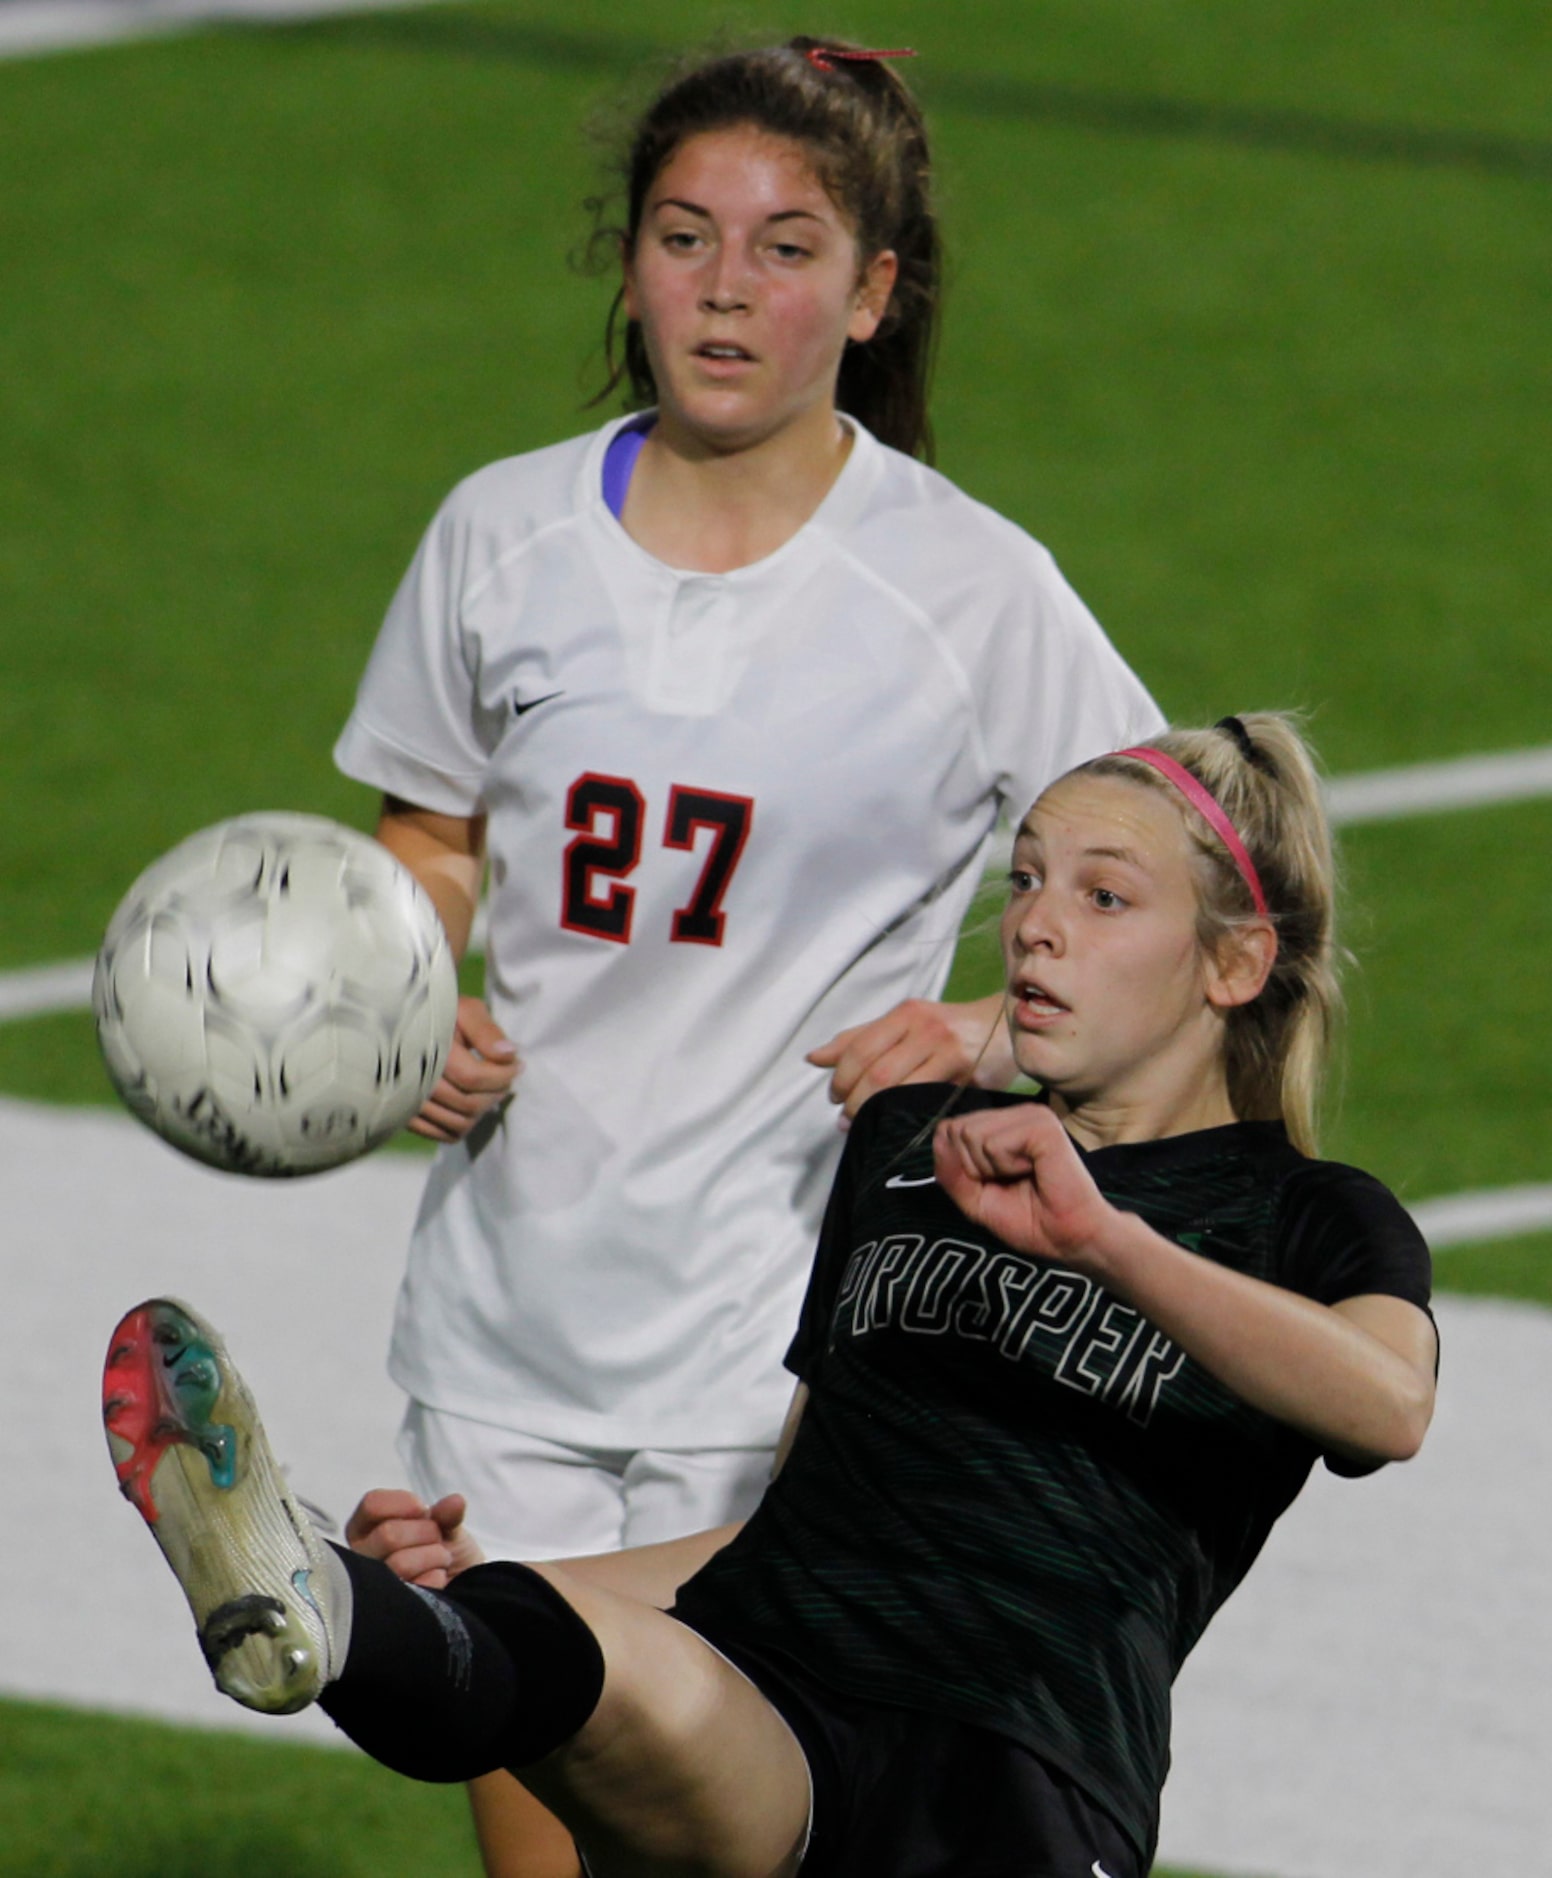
<point>275,996</point>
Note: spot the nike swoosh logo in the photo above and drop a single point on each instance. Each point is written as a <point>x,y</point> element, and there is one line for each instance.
<point>899,1180</point>
<point>1098,1870</point>
<point>518,706</point>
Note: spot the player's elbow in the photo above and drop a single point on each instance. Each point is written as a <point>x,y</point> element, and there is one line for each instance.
<point>1400,1420</point>
<point>1411,1421</point>
<point>1390,1428</point>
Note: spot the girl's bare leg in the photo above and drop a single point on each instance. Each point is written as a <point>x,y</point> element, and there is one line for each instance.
<point>684,1768</point>
<point>518,1837</point>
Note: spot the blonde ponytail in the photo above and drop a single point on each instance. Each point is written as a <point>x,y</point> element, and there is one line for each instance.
<point>1261,773</point>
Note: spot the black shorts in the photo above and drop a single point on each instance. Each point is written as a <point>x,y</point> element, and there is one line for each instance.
<point>899,1793</point>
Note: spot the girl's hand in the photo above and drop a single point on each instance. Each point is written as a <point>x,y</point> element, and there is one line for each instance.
<point>420,1544</point>
<point>480,1069</point>
<point>918,1041</point>
<point>1016,1172</point>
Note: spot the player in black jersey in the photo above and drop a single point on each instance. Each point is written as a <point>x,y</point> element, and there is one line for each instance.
<point>1062,1363</point>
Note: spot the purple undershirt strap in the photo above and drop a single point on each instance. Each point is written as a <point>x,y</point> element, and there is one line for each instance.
<point>620,461</point>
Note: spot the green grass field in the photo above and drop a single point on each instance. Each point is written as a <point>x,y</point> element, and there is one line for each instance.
<point>1247,320</point>
<point>1271,384</point>
<point>143,1800</point>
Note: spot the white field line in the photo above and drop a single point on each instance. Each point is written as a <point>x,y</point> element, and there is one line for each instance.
<point>1374,795</point>
<point>40,990</point>
<point>1463,782</point>
<point>1489,1213</point>
<point>1370,796</point>
<point>1460,782</point>
<point>28,27</point>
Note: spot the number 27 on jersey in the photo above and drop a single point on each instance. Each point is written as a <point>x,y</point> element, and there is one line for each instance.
<point>609,814</point>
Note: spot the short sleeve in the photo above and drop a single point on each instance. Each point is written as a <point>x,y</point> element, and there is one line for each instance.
<point>1344,1235</point>
<point>416,729</point>
<point>836,1243</point>
<point>1061,692</point>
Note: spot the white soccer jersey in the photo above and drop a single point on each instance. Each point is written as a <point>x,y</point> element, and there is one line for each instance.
<point>729,814</point>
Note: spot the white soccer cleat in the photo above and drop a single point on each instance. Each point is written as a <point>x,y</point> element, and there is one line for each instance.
<point>192,1458</point>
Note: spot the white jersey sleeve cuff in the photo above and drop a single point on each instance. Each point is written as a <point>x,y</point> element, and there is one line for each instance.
<point>366,756</point>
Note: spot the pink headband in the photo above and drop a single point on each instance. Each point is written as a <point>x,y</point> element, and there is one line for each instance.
<point>1203,800</point>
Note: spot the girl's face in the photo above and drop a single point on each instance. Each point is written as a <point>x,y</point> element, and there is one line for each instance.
<point>747,283</point>
<point>1113,1004</point>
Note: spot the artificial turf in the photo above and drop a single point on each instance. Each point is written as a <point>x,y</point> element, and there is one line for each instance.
<point>83,1795</point>
<point>1246,319</point>
<point>1246,323</point>
<point>1277,407</point>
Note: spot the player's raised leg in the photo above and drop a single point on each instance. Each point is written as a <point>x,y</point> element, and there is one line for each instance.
<point>657,1754</point>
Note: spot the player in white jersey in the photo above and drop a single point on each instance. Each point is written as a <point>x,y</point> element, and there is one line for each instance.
<point>730,693</point>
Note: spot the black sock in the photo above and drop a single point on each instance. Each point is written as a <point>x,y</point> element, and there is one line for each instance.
<point>496,1671</point>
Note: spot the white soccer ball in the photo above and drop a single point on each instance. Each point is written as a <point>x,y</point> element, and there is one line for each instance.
<point>275,996</point>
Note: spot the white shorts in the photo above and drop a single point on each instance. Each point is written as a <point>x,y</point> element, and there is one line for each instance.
<point>534,1499</point>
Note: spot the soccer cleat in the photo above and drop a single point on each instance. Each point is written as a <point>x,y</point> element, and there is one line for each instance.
<point>192,1459</point>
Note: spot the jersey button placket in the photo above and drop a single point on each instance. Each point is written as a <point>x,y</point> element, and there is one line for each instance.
<point>687,668</point>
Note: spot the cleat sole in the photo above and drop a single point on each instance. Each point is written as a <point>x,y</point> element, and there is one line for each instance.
<point>191,1457</point>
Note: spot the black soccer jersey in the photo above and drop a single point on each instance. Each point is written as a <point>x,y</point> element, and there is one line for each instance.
<point>1011,1498</point>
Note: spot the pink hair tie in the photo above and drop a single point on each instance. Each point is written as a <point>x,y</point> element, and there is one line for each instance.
<point>822,57</point>
<point>1206,803</point>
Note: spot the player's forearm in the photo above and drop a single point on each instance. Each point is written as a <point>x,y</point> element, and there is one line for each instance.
<point>1303,1362</point>
<point>650,1573</point>
<point>446,854</point>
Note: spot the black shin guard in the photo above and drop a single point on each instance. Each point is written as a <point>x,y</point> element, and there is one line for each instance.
<point>496,1671</point>
<point>555,1656</point>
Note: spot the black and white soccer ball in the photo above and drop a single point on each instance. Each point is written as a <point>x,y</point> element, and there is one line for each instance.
<point>275,996</point>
